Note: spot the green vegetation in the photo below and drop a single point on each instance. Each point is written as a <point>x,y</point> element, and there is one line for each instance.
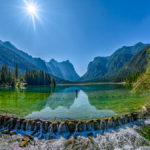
<point>143,82</point>
<point>10,56</point>
<point>38,78</point>
<point>120,101</point>
<point>133,68</point>
<point>131,79</point>
<point>118,66</point>
<point>115,98</point>
<point>24,102</point>
<point>145,132</point>
<point>9,78</point>
<point>6,77</point>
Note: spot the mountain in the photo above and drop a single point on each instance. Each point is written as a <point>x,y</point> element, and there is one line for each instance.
<point>103,67</point>
<point>10,58</point>
<point>35,61</point>
<point>143,81</point>
<point>64,70</point>
<point>136,65</point>
<point>10,55</point>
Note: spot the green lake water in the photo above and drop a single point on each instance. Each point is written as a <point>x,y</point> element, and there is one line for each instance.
<point>92,101</point>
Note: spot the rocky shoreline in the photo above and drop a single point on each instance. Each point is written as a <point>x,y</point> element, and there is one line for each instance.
<point>126,138</point>
<point>54,129</point>
<point>17,133</point>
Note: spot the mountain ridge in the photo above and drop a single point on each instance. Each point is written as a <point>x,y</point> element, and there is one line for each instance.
<point>62,68</point>
<point>36,63</point>
<point>101,67</point>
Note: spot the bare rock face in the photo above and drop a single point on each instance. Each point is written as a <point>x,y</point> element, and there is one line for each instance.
<point>64,70</point>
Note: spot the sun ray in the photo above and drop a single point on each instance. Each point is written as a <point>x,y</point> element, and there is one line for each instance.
<point>32,10</point>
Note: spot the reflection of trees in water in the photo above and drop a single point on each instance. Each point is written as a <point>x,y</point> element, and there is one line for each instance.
<point>114,97</point>
<point>98,95</point>
<point>80,109</point>
<point>36,98</point>
<point>65,95</point>
<point>24,101</point>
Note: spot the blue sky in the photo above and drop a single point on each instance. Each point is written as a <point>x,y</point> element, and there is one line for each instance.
<point>78,30</point>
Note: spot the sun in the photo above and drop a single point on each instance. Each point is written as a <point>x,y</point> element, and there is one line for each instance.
<point>31,9</point>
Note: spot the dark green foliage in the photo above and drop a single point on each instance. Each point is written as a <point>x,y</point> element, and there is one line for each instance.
<point>130,79</point>
<point>6,77</point>
<point>10,56</point>
<point>38,78</point>
<point>16,71</point>
<point>145,132</point>
<point>143,81</point>
<point>132,69</point>
<point>104,68</point>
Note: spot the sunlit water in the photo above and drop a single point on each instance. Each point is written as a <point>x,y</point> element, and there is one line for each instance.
<point>91,101</point>
<point>80,109</point>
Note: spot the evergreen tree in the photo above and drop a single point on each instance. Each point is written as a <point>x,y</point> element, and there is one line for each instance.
<point>38,78</point>
<point>16,71</point>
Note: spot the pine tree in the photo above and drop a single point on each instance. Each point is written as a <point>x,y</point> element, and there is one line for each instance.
<point>16,71</point>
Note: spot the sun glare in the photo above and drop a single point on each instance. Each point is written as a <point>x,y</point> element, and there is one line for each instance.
<point>32,9</point>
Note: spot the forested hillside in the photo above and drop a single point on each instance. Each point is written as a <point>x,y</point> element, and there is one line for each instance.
<point>10,56</point>
<point>102,68</point>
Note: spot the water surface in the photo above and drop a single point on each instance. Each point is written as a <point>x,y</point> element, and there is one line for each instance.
<point>91,101</point>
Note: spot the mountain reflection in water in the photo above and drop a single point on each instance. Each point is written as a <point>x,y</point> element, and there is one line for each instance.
<point>66,104</point>
<point>71,101</point>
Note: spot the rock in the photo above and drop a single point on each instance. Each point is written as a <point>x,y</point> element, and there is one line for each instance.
<point>24,125</point>
<point>30,137</point>
<point>85,146</point>
<point>144,109</point>
<point>11,124</point>
<point>45,126</point>
<point>38,125</point>
<point>90,134</point>
<point>135,116</point>
<point>25,141</point>
<point>110,123</point>
<point>54,127</point>
<point>25,138</point>
<point>6,118</point>
<point>96,124</point>
<point>1,120</point>
<point>67,143</point>
<point>6,131</point>
<point>63,127</point>
<point>12,132</point>
<point>18,122</point>
<point>32,125</point>
<point>122,120</point>
<point>80,127</point>
<point>71,126</point>
<point>89,125</point>
<point>103,125</point>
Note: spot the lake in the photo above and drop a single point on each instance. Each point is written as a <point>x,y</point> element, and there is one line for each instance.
<point>62,102</point>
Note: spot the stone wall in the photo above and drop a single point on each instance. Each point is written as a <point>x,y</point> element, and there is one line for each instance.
<point>55,129</point>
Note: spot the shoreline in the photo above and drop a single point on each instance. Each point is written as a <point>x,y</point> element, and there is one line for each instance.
<point>51,129</point>
<point>125,136</point>
<point>92,83</point>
